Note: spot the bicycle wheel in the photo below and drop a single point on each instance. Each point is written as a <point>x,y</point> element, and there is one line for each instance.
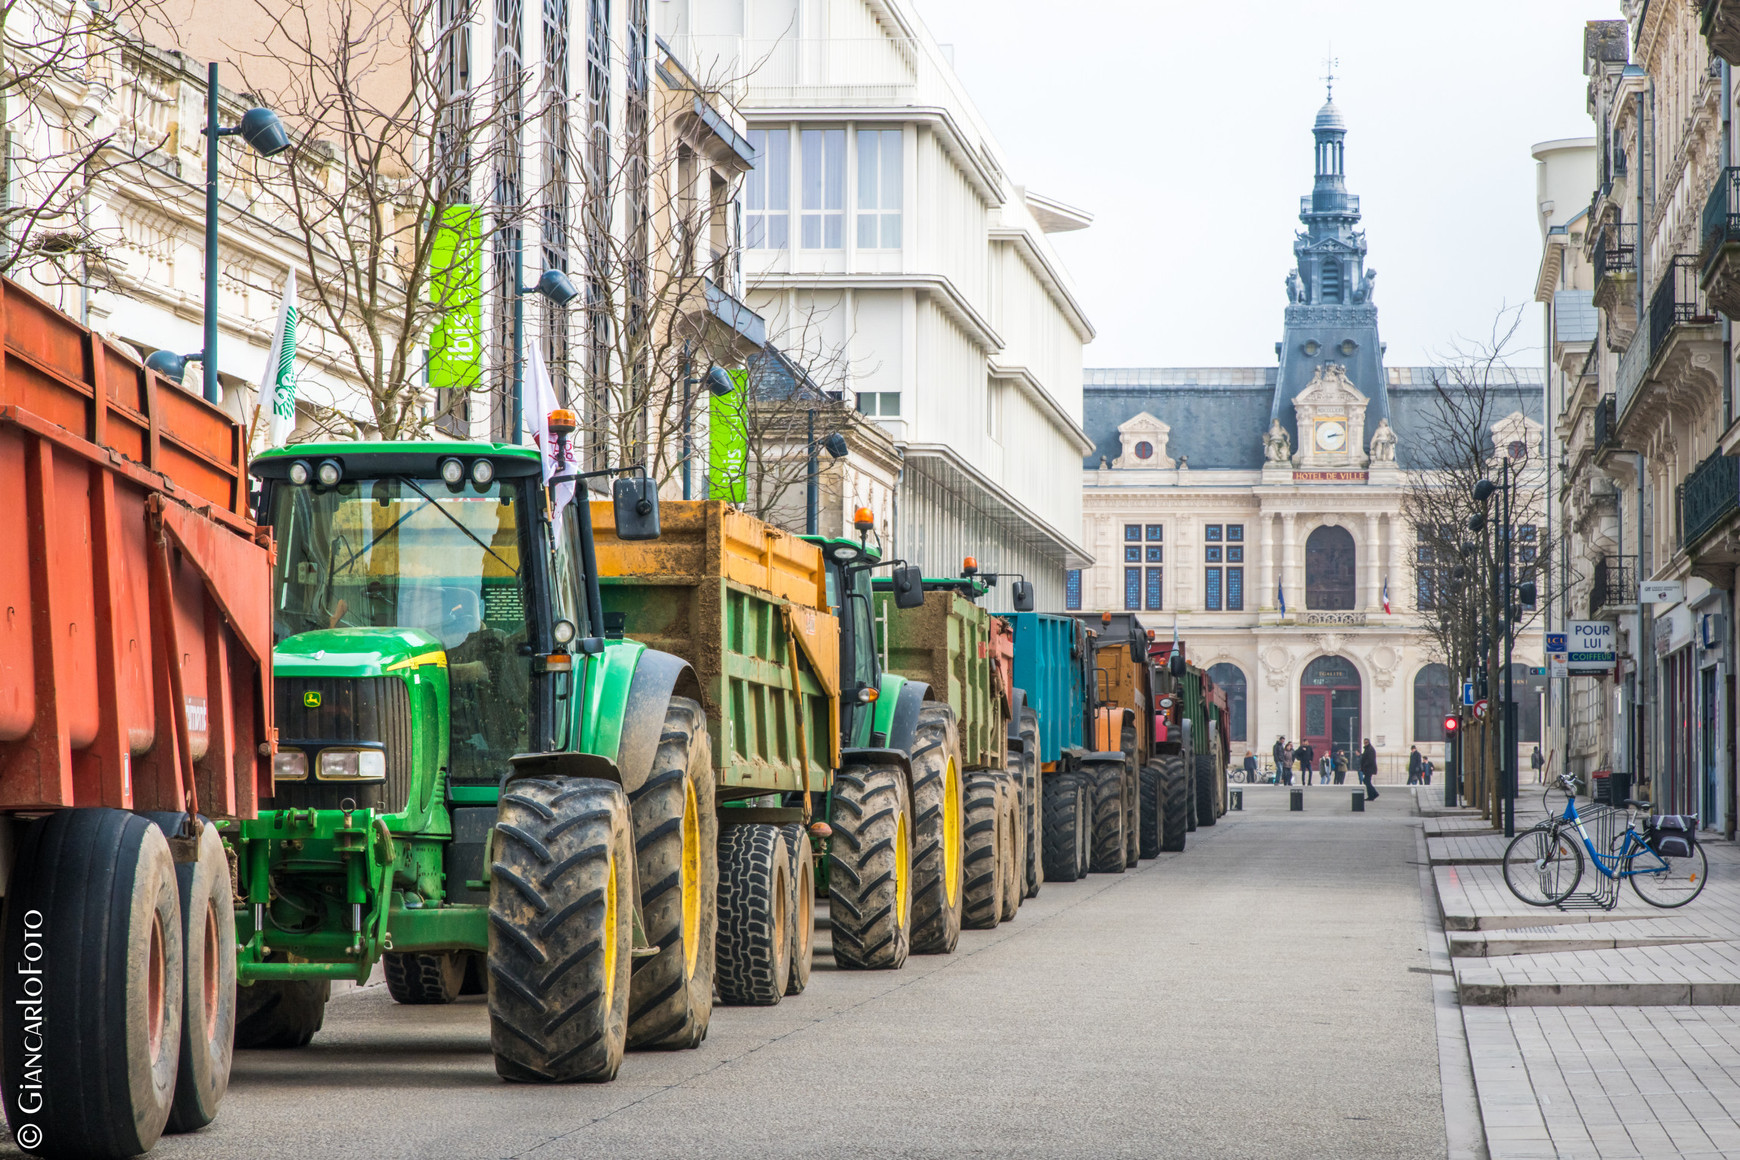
<point>1667,882</point>
<point>1542,866</point>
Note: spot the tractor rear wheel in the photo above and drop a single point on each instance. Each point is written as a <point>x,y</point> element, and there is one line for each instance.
<point>1033,778</point>
<point>803,912</point>
<point>1187,770</point>
<point>870,868</point>
<point>1207,799</point>
<point>938,802</point>
<point>1174,803</point>
<point>1066,827</point>
<point>1132,797</point>
<point>561,907</point>
<point>756,900</point>
<point>1150,813</point>
<point>281,1013</point>
<point>93,986</point>
<point>676,840</point>
<point>985,849</point>
<point>420,979</point>
<point>1014,857</point>
<point>1105,780</point>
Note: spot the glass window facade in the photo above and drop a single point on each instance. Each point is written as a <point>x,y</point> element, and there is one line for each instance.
<point>823,186</point>
<point>1072,590</point>
<point>1132,589</point>
<point>1156,589</point>
<point>880,164</point>
<point>767,191</point>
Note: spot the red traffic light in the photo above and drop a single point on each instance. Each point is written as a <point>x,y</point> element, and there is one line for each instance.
<point>1452,723</point>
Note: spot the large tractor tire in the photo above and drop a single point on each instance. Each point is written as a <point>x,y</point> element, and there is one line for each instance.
<point>938,854</point>
<point>1207,795</point>
<point>1187,769</point>
<point>985,848</point>
<point>1014,855</point>
<point>208,939</point>
<point>870,871</point>
<point>281,1013</point>
<point>1150,811</point>
<point>1132,798</point>
<point>1067,831</point>
<point>676,847</point>
<point>1105,781</point>
<point>803,911</point>
<point>561,910</point>
<point>419,979</point>
<point>1174,803</point>
<point>93,988</point>
<point>1033,802</point>
<point>756,900</point>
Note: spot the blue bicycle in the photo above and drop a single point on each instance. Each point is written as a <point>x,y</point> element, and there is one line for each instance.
<point>1544,865</point>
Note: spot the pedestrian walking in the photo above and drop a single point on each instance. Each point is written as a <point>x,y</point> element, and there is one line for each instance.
<point>1414,761</point>
<point>1251,768</point>
<point>1325,767</point>
<point>1426,770</point>
<point>1368,770</point>
<point>1340,766</point>
<point>1537,761</point>
<point>1302,757</point>
<point>1283,755</point>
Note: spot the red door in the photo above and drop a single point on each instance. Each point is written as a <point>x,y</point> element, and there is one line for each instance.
<point>1316,718</point>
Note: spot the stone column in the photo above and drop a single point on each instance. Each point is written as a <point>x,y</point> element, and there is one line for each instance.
<point>1266,568</point>
<point>1373,549</point>
<point>1294,597</point>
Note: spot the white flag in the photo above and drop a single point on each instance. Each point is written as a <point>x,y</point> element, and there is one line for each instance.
<point>278,384</point>
<point>538,399</point>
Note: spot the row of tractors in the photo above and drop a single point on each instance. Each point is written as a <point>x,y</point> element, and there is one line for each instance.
<point>413,706</point>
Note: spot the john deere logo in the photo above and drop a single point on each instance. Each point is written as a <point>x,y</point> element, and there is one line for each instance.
<point>311,700</point>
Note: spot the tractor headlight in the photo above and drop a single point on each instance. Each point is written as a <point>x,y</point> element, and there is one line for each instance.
<point>352,765</point>
<point>290,765</point>
<point>452,472</point>
<point>482,471</point>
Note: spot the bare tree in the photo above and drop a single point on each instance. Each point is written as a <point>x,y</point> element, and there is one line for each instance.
<point>1458,565</point>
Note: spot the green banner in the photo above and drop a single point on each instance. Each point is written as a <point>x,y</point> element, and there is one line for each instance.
<point>728,441</point>
<point>456,289</point>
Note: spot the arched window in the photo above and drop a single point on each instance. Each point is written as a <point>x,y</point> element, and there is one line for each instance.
<point>1329,706</point>
<point>1230,678</point>
<point>1329,575</point>
<point>1432,700</point>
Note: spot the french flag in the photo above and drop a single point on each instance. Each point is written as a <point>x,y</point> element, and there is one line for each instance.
<point>1386,595</point>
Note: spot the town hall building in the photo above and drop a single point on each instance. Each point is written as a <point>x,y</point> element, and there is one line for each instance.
<point>1259,509</point>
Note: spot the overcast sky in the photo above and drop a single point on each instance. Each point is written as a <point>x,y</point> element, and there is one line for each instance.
<point>1186,130</point>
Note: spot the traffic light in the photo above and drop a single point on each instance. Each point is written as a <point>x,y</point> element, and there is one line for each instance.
<point>1451,724</point>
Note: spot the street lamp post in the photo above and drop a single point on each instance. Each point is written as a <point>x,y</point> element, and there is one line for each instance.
<point>555,286</point>
<point>719,384</point>
<point>834,444</point>
<point>1508,612</point>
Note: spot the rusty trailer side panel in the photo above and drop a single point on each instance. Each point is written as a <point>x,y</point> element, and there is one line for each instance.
<point>135,616</point>
<point>964,654</point>
<point>745,604</point>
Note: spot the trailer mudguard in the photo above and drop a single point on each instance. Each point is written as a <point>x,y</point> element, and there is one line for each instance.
<point>1103,755</point>
<point>658,676</point>
<point>896,726</point>
<point>874,756</point>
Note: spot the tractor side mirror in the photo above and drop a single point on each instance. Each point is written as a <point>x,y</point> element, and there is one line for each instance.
<point>1022,594</point>
<point>635,501</point>
<point>1175,663</point>
<point>908,587</point>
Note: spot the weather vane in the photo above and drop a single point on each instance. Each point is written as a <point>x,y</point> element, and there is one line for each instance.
<point>1330,61</point>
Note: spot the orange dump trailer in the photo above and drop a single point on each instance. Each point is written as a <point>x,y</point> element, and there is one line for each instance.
<point>135,680</point>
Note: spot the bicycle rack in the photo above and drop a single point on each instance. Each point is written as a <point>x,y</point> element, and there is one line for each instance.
<point>1606,829</point>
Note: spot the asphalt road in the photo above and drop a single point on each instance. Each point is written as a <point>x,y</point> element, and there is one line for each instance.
<point>1263,994</point>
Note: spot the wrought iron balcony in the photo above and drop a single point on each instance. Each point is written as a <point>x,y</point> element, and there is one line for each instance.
<point>1615,251</point>
<point>1719,21</point>
<point>1678,301</point>
<point>1606,422</point>
<point>1709,494</point>
<point>1719,251</point>
<point>1615,583</point>
<point>1615,267</point>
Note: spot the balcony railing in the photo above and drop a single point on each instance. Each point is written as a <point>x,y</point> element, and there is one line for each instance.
<point>1615,583</point>
<point>1709,494</point>
<point>1678,301</point>
<point>1605,421</point>
<point>1615,251</point>
<point>1722,213</point>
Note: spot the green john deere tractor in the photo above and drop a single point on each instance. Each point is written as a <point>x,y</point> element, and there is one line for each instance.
<point>464,763</point>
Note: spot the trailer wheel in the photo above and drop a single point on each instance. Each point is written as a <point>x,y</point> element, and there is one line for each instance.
<point>93,985</point>
<point>208,940</point>
<point>938,854</point>
<point>1132,797</point>
<point>1150,812</point>
<point>1105,783</point>
<point>1174,803</point>
<point>1187,770</point>
<point>870,868</point>
<point>803,912</point>
<point>1065,828</point>
<point>1207,800</point>
<point>755,905</point>
<point>676,837</point>
<point>561,906</point>
<point>280,1013</point>
<point>424,978</point>
<point>985,848</point>
<point>1033,799</point>
<point>1014,855</point>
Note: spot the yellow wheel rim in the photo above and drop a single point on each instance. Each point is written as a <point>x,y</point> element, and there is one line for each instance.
<point>610,937</point>
<point>952,832</point>
<point>691,878</point>
<point>902,869</point>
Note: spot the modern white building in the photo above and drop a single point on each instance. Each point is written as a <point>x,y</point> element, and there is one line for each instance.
<point>884,236</point>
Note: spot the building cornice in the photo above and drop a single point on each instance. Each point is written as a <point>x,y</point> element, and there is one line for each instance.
<point>1030,386</point>
<point>1048,276</point>
<point>1075,556</point>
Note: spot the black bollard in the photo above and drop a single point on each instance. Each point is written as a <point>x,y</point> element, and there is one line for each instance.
<point>1359,801</point>
<point>1297,801</point>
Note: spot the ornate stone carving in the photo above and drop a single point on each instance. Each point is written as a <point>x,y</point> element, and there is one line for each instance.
<point>1143,438</point>
<point>1383,443</point>
<point>1330,416</point>
<point>1276,448</point>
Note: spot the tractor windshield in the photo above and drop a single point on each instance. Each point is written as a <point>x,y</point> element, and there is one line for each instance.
<point>397,552</point>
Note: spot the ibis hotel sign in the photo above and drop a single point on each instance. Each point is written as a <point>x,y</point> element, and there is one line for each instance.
<point>1590,648</point>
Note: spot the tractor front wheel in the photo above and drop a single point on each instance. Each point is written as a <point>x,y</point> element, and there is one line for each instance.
<point>561,906</point>
<point>1105,781</point>
<point>870,870</point>
<point>755,904</point>
<point>1207,793</point>
<point>986,820</point>
<point>1014,855</point>
<point>1149,819</point>
<point>424,978</point>
<point>1066,827</point>
<point>1033,801</point>
<point>1174,803</point>
<point>938,854</point>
